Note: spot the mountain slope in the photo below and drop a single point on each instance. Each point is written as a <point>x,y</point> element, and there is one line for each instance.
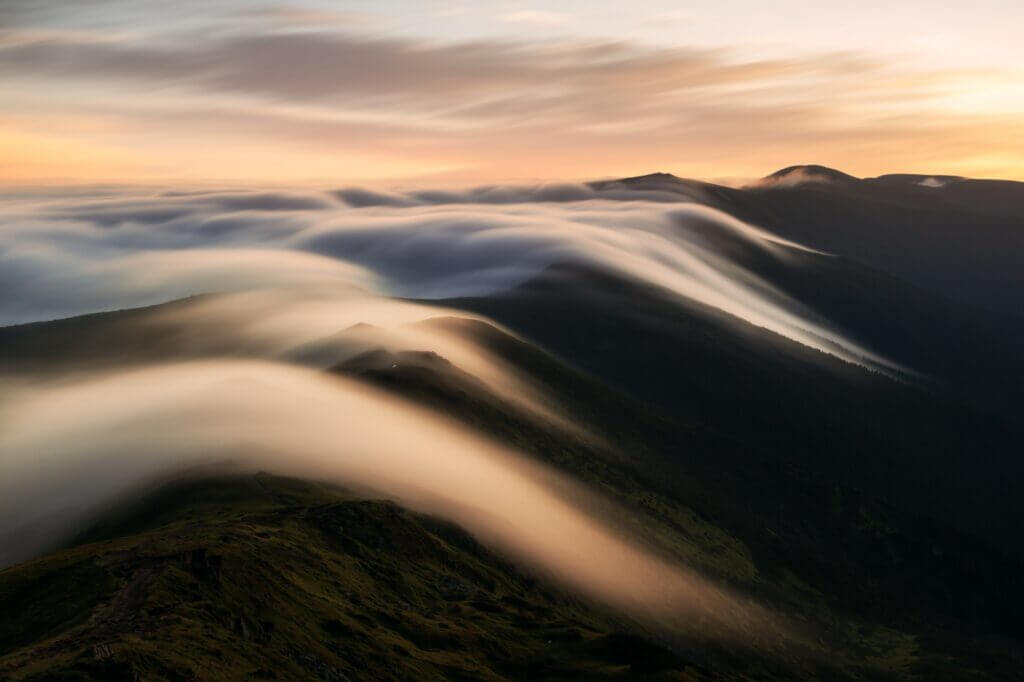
<point>818,553</point>
<point>901,443</point>
<point>960,238</point>
<point>269,578</point>
<point>868,507</point>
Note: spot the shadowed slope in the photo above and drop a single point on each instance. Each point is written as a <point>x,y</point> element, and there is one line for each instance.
<point>959,237</point>
<point>914,448</point>
<point>813,551</point>
<point>263,577</point>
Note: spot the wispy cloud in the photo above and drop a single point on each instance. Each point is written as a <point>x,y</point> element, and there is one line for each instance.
<point>366,107</point>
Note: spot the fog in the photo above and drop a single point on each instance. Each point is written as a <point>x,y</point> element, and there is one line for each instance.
<point>324,327</point>
<point>287,284</point>
<point>67,448</point>
<point>65,256</point>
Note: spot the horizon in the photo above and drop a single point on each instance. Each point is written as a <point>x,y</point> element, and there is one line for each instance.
<point>426,183</point>
<point>444,93</point>
<point>430,340</point>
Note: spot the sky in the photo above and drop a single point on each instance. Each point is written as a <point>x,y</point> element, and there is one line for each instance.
<point>439,92</point>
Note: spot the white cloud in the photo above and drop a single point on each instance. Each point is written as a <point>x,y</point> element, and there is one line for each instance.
<point>60,258</point>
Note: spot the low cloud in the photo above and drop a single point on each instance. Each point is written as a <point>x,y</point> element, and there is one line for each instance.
<point>302,281</point>
<point>67,450</point>
<point>69,256</point>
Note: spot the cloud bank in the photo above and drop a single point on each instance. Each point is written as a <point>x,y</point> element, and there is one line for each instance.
<point>60,257</point>
<point>296,282</point>
<point>67,449</point>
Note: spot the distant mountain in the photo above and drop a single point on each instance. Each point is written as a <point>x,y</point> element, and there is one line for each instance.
<point>795,175</point>
<point>960,238</point>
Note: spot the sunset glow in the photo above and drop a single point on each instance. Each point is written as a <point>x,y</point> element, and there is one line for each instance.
<point>449,92</point>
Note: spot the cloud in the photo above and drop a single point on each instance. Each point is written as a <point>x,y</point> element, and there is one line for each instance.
<point>310,99</point>
<point>483,103</point>
<point>46,283</point>
<point>508,194</point>
<point>68,449</point>
<point>278,15</point>
<point>358,198</point>
<point>73,256</point>
<point>305,280</point>
<point>312,65</point>
<point>366,72</point>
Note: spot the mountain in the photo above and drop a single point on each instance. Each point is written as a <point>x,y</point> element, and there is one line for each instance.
<point>796,175</point>
<point>874,432</point>
<point>957,237</point>
<point>313,584</point>
<point>173,561</point>
<point>808,426</point>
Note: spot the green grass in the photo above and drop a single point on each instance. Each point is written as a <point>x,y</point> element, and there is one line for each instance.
<point>271,578</point>
<point>287,580</point>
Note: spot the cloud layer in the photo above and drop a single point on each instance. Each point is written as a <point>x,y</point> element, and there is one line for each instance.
<point>67,450</point>
<point>301,281</point>
<point>65,256</point>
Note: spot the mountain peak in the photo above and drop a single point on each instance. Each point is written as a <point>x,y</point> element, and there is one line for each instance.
<point>656,176</point>
<point>801,174</point>
<point>662,183</point>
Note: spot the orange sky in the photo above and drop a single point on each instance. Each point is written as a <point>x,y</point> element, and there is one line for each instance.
<point>109,93</point>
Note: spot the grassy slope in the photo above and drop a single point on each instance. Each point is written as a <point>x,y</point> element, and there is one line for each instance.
<point>882,594</point>
<point>270,578</point>
<point>884,591</point>
<point>912,447</point>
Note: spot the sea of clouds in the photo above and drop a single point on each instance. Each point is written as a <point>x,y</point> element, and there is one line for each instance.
<point>62,256</point>
<point>287,283</point>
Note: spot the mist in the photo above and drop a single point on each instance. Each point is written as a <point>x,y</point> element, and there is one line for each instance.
<point>70,448</point>
<point>61,257</point>
<point>286,285</point>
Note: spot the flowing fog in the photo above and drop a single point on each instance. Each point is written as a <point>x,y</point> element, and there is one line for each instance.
<point>70,447</point>
<point>301,281</point>
<point>64,256</point>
